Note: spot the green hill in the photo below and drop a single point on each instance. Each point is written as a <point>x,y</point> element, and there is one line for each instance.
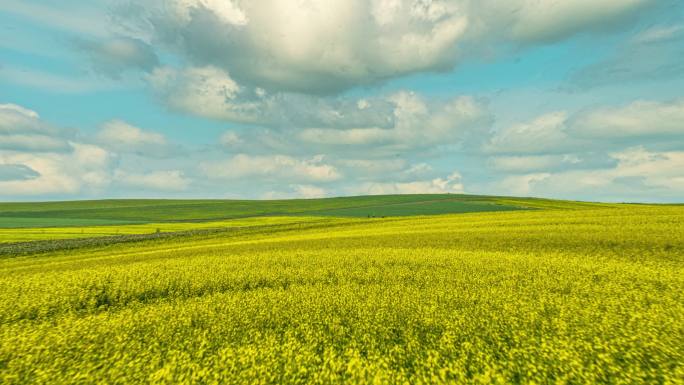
<point>123,211</point>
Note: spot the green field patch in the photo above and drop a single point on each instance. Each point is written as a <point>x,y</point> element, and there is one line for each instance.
<point>38,221</point>
<point>433,207</point>
<point>41,214</point>
<point>27,234</point>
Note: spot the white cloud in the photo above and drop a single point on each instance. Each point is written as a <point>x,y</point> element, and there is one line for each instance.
<point>171,180</point>
<point>533,162</point>
<point>658,33</point>
<point>21,129</point>
<point>638,119</point>
<point>281,167</point>
<point>123,137</point>
<point>230,139</point>
<point>212,93</point>
<point>13,172</point>
<point>309,191</point>
<point>84,169</point>
<point>38,159</point>
<point>639,175</point>
<point>322,46</point>
<point>204,91</point>
<point>658,169</point>
<point>297,191</point>
<point>521,184</point>
<point>21,112</point>
<point>226,10</point>
<point>417,124</point>
<point>352,136</point>
<point>115,55</point>
<point>549,20</point>
<point>52,162</point>
<point>598,128</point>
<point>546,133</point>
<point>18,119</point>
<point>449,184</point>
<point>417,170</point>
<point>300,48</point>
<point>120,133</point>
<point>373,167</point>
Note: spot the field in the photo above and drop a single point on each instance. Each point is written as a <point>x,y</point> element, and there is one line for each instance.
<point>83,213</point>
<point>525,291</point>
<point>27,234</point>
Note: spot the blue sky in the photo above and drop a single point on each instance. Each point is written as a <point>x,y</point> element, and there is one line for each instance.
<point>280,99</point>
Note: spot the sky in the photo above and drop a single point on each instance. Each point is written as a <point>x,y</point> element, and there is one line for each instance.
<point>266,99</point>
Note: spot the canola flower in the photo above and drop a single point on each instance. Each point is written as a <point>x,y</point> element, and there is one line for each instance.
<point>546,297</point>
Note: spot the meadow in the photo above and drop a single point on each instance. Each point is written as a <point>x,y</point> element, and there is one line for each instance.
<point>525,291</point>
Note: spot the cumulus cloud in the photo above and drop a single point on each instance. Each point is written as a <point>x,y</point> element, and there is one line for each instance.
<point>20,114</point>
<point>582,155</point>
<point>638,174</point>
<point>37,158</point>
<point>297,191</point>
<point>551,20</point>
<point>84,169</point>
<point>325,46</point>
<point>521,185</point>
<point>115,55</point>
<point>170,180</point>
<point>212,93</point>
<point>418,124</point>
<point>282,70</point>
<point>21,129</point>
<point>318,46</point>
<point>10,172</point>
<point>309,191</point>
<point>637,119</point>
<point>280,167</point>
<point>50,161</point>
<point>449,184</point>
<point>230,139</point>
<point>203,91</point>
<point>372,168</point>
<point>594,129</point>
<point>123,137</point>
<point>658,169</point>
<point>533,162</point>
<point>544,134</point>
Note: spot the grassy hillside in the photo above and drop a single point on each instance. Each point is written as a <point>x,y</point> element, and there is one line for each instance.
<point>543,296</point>
<point>82,213</point>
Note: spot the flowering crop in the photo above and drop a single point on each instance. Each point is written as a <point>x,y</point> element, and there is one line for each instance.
<point>543,296</point>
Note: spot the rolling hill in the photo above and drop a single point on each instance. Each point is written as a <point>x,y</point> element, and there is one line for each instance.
<point>130,211</point>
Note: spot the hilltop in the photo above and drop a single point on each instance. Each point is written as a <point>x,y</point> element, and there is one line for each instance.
<point>131,211</point>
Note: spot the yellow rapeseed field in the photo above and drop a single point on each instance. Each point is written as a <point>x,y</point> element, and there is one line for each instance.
<point>544,296</point>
